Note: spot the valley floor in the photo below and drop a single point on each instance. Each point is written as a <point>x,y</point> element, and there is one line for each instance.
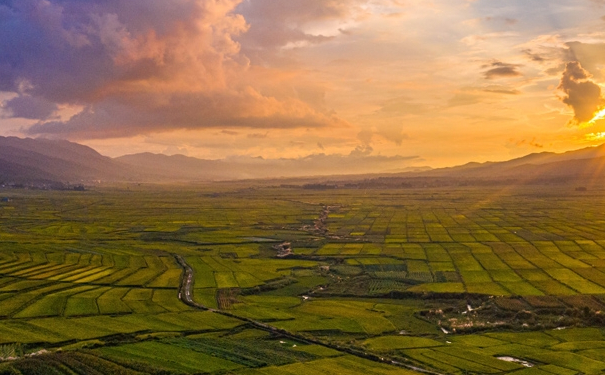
<point>233,279</point>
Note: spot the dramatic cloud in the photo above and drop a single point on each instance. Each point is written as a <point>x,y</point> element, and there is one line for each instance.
<point>149,112</point>
<point>139,66</point>
<point>448,80</point>
<point>74,51</point>
<point>501,70</point>
<point>581,93</point>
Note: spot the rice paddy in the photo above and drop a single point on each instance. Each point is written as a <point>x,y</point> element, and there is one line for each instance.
<point>448,280</point>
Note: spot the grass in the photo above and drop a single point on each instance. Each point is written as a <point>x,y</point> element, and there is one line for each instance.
<point>78,306</point>
<point>225,280</point>
<point>467,359</point>
<point>388,343</point>
<point>248,352</point>
<point>111,302</point>
<point>169,357</point>
<point>345,365</point>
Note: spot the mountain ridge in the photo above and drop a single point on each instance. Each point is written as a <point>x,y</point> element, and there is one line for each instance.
<point>27,160</point>
<point>42,160</point>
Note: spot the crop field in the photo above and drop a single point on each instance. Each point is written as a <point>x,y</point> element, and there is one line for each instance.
<point>494,280</point>
<point>569,351</point>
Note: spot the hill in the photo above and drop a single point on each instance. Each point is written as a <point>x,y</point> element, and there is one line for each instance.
<point>52,161</point>
<point>532,165</point>
<point>42,161</point>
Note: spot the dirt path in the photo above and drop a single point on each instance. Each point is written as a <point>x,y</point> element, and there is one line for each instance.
<point>186,296</point>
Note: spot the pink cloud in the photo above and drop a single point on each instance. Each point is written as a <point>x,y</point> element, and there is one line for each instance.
<point>142,66</point>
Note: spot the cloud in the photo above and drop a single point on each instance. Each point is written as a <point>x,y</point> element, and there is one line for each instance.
<point>72,51</point>
<point>592,137</point>
<point>150,112</point>
<point>175,150</point>
<point>506,20</point>
<point>501,70</point>
<point>361,151</point>
<point>274,25</point>
<point>548,53</point>
<point>473,40</point>
<point>29,107</point>
<point>229,132</point>
<point>581,93</point>
<point>258,135</point>
<point>142,66</point>
<point>534,56</point>
<point>525,142</point>
<point>590,55</point>
<point>501,90</point>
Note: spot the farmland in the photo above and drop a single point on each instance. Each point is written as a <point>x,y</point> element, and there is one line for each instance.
<point>490,280</point>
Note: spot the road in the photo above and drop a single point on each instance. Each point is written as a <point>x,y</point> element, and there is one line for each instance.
<point>186,296</point>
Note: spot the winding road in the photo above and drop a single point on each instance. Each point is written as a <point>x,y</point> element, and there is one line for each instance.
<point>186,296</point>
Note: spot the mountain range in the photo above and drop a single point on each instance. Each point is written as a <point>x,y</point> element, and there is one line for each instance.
<point>46,161</point>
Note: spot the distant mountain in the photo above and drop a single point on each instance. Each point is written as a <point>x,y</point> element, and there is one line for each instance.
<point>532,166</point>
<point>183,168</point>
<point>179,167</point>
<point>40,160</point>
<point>575,163</point>
<point>576,169</point>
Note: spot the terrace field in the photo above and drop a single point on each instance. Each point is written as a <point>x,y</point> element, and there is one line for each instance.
<point>465,280</point>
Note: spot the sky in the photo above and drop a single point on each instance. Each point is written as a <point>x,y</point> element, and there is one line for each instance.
<point>392,83</point>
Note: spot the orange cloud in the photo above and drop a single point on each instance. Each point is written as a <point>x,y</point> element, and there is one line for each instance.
<point>145,66</point>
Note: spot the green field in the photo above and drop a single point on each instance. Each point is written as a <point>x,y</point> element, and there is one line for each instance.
<point>447,280</point>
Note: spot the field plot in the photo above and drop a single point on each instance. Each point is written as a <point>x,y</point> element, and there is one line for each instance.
<point>169,357</point>
<point>346,365</point>
<point>557,352</point>
<point>211,272</point>
<point>448,280</point>
<point>495,268</point>
<point>82,285</point>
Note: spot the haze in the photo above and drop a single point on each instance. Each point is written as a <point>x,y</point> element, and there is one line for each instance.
<point>420,83</point>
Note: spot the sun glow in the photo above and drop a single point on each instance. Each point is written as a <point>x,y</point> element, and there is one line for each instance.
<point>598,116</point>
<point>595,136</point>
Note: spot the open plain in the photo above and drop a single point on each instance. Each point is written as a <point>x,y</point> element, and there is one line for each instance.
<point>238,279</point>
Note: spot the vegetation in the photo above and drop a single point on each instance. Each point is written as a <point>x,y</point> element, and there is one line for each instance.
<point>450,280</point>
